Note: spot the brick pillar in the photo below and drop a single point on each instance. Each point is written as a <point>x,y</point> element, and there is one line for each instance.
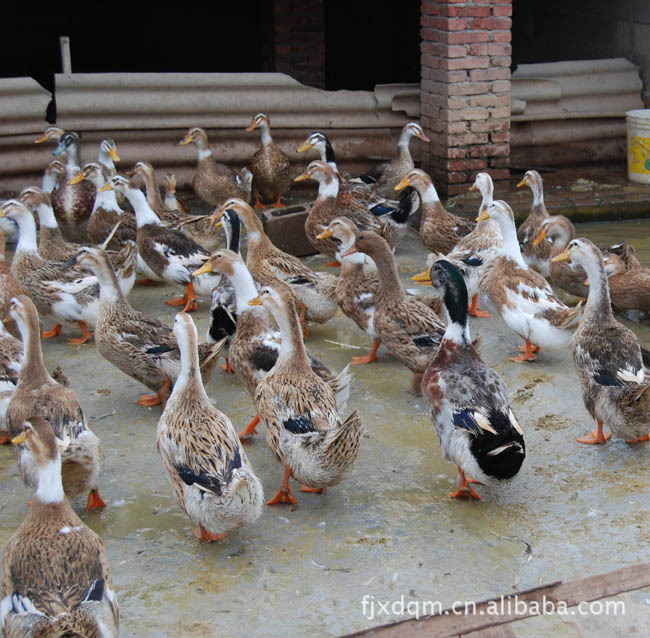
<point>300,40</point>
<point>465,90</point>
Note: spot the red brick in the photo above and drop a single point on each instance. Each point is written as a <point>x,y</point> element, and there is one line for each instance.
<point>431,61</point>
<point>483,126</point>
<point>444,76</point>
<point>456,189</point>
<point>500,61</point>
<point>479,75</point>
<point>500,112</point>
<point>502,10</point>
<point>468,88</point>
<point>502,136</point>
<point>501,86</point>
<point>465,37</point>
<point>491,24</point>
<point>471,138</point>
<point>499,73</point>
<point>499,162</point>
<point>467,165</point>
<point>490,100</point>
<point>457,153</point>
<point>466,11</point>
<point>478,49</point>
<point>457,178</point>
<point>429,35</point>
<point>469,62</point>
<point>499,48</point>
<point>503,173</point>
<point>447,24</point>
<point>443,50</point>
<point>502,36</point>
<point>429,7</point>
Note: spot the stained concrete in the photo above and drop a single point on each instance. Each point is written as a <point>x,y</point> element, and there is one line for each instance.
<point>389,529</point>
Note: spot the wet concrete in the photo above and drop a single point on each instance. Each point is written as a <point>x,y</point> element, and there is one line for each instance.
<point>389,529</point>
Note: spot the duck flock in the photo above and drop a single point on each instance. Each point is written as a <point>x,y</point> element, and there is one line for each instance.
<point>89,232</point>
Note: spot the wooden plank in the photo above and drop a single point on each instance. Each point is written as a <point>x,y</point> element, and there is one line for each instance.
<point>513,607</point>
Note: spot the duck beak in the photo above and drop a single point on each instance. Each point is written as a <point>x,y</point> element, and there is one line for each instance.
<point>113,153</point>
<point>483,216</point>
<point>305,146</point>
<point>60,148</point>
<point>255,302</point>
<point>20,439</point>
<point>79,177</point>
<point>41,139</point>
<point>423,137</point>
<point>541,236</point>
<point>216,216</point>
<point>563,256</point>
<point>473,187</point>
<point>403,184</point>
<point>302,177</point>
<point>203,269</point>
<point>186,140</point>
<point>325,234</point>
<point>522,183</point>
<point>106,187</point>
<point>586,282</point>
<point>252,126</point>
<point>422,278</point>
<point>69,262</point>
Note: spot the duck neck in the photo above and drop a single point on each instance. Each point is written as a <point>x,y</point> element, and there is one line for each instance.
<point>109,288</point>
<point>538,194</point>
<point>46,216</point>
<point>292,348</point>
<point>144,214</point>
<point>245,290</point>
<point>430,195</point>
<point>106,159</point>
<point>50,182</point>
<point>73,161</point>
<point>265,132</point>
<point>154,198</point>
<point>106,200</point>
<point>26,234</point>
<point>328,188</point>
<point>598,301</point>
<point>202,149</point>
<point>189,380</point>
<point>50,485</point>
<point>33,370</point>
<point>390,286</point>
<point>510,244</point>
<point>254,231</point>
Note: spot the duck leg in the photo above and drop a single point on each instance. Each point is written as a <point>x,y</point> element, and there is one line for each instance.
<point>188,300</point>
<point>258,203</point>
<point>313,490</point>
<point>250,429</point>
<point>527,353</point>
<point>95,501</point>
<point>370,357</point>
<point>226,367</point>
<point>207,537</point>
<point>86,335</point>
<point>595,436</point>
<point>147,282</point>
<point>55,332</point>
<point>474,309</point>
<point>149,400</point>
<point>464,489</point>
<point>641,439</point>
<point>284,494</point>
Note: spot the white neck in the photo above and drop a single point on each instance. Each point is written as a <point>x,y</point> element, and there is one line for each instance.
<point>107,200</point>
<point>510,244</point>
<point>457,333</point>
<point>287,346</point>
<point>328,188</point>
<point>598,287</point>
<point>404,140</point>
<point>190,374</point>
<point>50,487</point>
<point>144,214</point>
<point>106,159</point>
<point>486,193</point>
<point>204,153</point>
<point>266,134</point>
<point>430,195</point>
<point>49,183</point>
<point>538,195</point>
<point>72,160</point>
<point>26,234</point>
<point>46,216</point>
<point>244,286</point>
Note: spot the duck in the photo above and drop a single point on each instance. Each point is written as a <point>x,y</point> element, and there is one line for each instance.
<point>56,578</point>
<point>214,182</point>
<point>613,379</point>
<point>9,286</point>
<point>66,293</point>
<point>629,287</point>
<point>269,166</point>
<point>357,286</point>
<point>255,344</point>
<point>410,329</point>
<point>52,174</point>
<point>557,231</point>
<point>72,203</point>
<point>106,212</point>
<point>50,134</point>
<point>536,256</point>
<point>267,263</point>
<point>384,177</point>
<point>440,230</point>
<point>477,249</point>
<point>171,198</point>
<point>331,203</point>
<point>137,343</point>
<point>11,360</point>
<point>169,254</point>
<point>301,412</point>
<point>467,400</point>
<point>210,475</point>
<point>525,300</point>
<point>198,228</point>
<point>37,393</point>
<point>108,155</point>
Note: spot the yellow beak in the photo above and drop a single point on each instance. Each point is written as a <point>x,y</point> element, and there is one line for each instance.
<point>106,187</point>
<point>113,153</point>
<point>186,140</point>
<point>305,146</point>
<point>302,177</point>
<point>522,183</point>
<point>203,269</point>
<point>41,139</point>
<point>473,187</point>
<point>423,137</point>
<point>255,302</point>
<point>563,256</point>
<point>252,126</point>
<point>325,234</point>
<point>18,440</point>
<point>403,184</point>
<point>422,278</point>
<point>483,216</point>
<point>79,177</point>
<point>586,281</point>
<point>541,236</point>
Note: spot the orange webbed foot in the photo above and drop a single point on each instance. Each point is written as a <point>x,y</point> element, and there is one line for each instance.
<point>283,495</point>
<point>520,358</point>
<point>313,490</point>
<point>641,439</point>
<point>595,437</point>
<point>177,301</point>
<point>149,400</point>
<point>533,348</point>
<point>95,501</point>
<point>465,492</point>
<point>370,357</point>
<point>226,367</point>
<point>55,332</point>
<point>148,282</point>
<point>250,429</point>
<point>86,335</point>
<point>207,537</point>
<point>475,311</point>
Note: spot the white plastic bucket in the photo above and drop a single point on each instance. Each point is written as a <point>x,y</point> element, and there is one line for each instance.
<point>638,145</point>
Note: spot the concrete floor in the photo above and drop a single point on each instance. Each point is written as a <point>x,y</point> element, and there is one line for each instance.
<point>389,529</point>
